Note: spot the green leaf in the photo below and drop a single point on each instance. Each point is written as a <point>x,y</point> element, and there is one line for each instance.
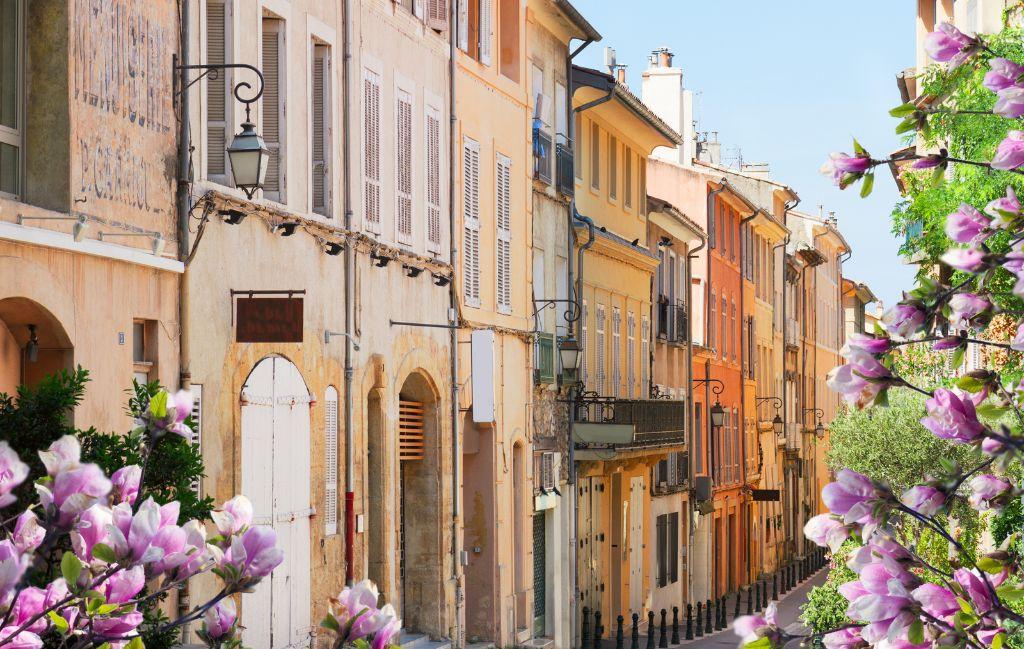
<point>990,565</point>
<point>331,622</point>
<point>938,176</point>
<point>998,640</point>
<point>906,126</point>
<point>903,111</point>
<point>158,404</point>
<point>59,622</point>
<point>136,643</point>
<point>70,568</point>
<point>1010,593</point>
<point>760,643</point>
<point>958,357</point>
<point>916,633</point>
<point>361,643</point>
<point>992,411</point>
<point>104,552</point>
<point>858,149</point>
<point>970,384</point>
<point>867,185</point>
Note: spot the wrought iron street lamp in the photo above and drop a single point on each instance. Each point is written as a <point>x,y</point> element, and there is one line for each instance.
<point>717,411</point>
<point>777,424</point>
<point>819,428</point>
<point>569,354</point>
<point>717,415</point>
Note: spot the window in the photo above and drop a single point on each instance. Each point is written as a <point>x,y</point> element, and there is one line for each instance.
<point>616,351</point>
<point>371,150</point>
<point>595,156</point>
<point>11,120</point>
<point>668,549</point>
<point>403,167</point>
<point>432,120</point>
<point>503,218</point>
<point>471,222</point>
<point>698,439</point>
<point>197,429</point>
<point>733,333</point>
<point>631,354</point>
<point>437,14</point>
<point>599,353</point>
<point>321,130</point>
<point>712,321</point>
<point>273,106</point>
<point>331,460</point>
<point>577,167</point>
<point>583,343</point>
<point>217,91</point>
<point>144,352</point>
<point>613,166</point>
<point>627,178</point>
<point>645,355</point>
<point>475,28</point>
<point>508,38</point>
<point>712,238</point>
<point>725,334</point>
<point>561,117</point>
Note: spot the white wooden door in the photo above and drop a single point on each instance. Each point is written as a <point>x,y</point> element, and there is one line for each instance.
<point>276,477</point>
<point>636,545</point>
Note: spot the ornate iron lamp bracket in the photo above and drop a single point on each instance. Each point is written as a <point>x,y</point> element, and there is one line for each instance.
<point>213,72</point>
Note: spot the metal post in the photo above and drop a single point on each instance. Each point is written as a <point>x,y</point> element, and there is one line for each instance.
<point>598,629</point>
<point>750,600</point>
<point>585,627</point>
<point>708,628</point>
<point>757,596</point>
<point>736,610</point>
<point>663,638</point>
<point>618,632</point>
<point>700,620</point>
<point>634,640</point>
<point>675,625</point>
<point>718,614</point>
<point>650,630</point>
<point>775,586</point>
<point>689,621</point>
<point>764,595</point>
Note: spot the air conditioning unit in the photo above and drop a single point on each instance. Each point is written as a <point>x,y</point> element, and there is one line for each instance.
<point>702,488</point>
<point>546,479</point>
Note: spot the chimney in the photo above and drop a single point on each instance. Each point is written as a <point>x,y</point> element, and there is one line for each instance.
<point>713,148</point>
<point>756,169</point>
<point>620,74</point>
<point>661,58</point>
<point>832,221</point>
<point>609,59</point>
<point>663,92</point>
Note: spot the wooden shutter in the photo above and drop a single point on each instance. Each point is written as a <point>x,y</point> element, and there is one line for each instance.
<point>321,147</point>
<point>616,351</point>
<point>272,105</point>
<point>486,30</point>
<point>662,546</point>
<point>216,90</point>
<point>599,357</point>
<point>627,177</point>
<point>463,26</point>
<point>437,15</point>
<point>433,189</point>
<point>583,343</point>
<point>371,150</point>
<point>331,460</point>
<point>547,470</point>
<point>503,217</point>
<point>197,430</point>
<point>645,354</point>
<point>403,167</point>
<point>471,222</point>
<point>613,166</point>
<point>673,547</point>
<point>631,354</point>
<point>411,443</point>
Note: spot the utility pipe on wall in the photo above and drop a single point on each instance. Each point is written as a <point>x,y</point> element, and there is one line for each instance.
<point>184,198</point>
<point>349,168</point>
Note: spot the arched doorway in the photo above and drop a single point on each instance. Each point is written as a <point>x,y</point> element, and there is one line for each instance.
<point>276,477</point>
<point>33,344</point>
<point>419,496</point>
<point>519,514</point>
<point>378,467</point>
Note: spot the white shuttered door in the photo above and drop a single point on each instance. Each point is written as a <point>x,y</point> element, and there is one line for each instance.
<point>371,150</point>
<point>471,222</point>
<point>331,460</point>
<point>503,217</point>
<point>273,106</point>
<point>216,91</point>
<point>403,167</point>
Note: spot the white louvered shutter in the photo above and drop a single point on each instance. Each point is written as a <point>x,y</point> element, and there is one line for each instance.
<point>273,108</point>
<point>645,352</point>
<point>471,222</point>
<point>403,167</point>
<point>320,146</point>
<point>371,150</point>
<point>216,91</point>
<point>197,429</point>
<point>616,351</point>
<point>437,14</point>
<point>463,26</point>
<point>599,352</point>
<point>433,173</point>
<point>331,460</point>
<point>503,214</point>
<point>583,343</point>
<point>486,30</point>
<point>631,354</point>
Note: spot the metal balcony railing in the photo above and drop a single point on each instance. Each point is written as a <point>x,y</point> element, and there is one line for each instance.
<point>663,317</point>
<point>544,358</point>
<point>681,330</point>
<point>543,154</point>
<point>630,423</point>
<point>792,332</point>
<point>564,168</point>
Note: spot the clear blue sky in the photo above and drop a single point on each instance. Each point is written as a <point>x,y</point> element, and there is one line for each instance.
<point>786,82</point>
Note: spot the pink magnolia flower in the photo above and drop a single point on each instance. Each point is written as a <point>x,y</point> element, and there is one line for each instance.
<point>1017,343</point>
<point>62,455</point>
<point>966,225</point>
<point>385,636</point>
<point>12,566</point>
<point>952,416</point>
<point>124,585</point>
<point>883,578</point>
<point>91,529</point>
<point>1003,74</point>
<point>219,621</point>
<point>254,554</point>
<point>947,343</point>
<point>123,626</point>
<point>965,307</point>
<point>196,551</point>
<point>903,320</point>
<point>870,344</point>
<point>131,536</point>
<point>1010,152</point>
<point>845,169</point>
<point>28,533</point>
<point>12,473</point>
<point>167,413</point>
<point>30,602</point>
<point>751,628</point>
<point>976,592</point>
<point>936,600</point>
<point>986,490</point>
<point>844,639</point>
<point>172,543</point>
<point>233,517</point>
<point>13,639</point>
<point>969,260</point>
<point>1005,209</point>
<point>1010,103</point>
<point>928,162</point>
<point>827,531</point>
<point>849,490</point>
<point>860,379</point>
<point>949,45</point>
<point>126,484</point>
<point>924,500</point>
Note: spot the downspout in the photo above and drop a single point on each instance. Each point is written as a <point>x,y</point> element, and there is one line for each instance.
<point>350,270</point>
<point>690,256</point>
<point>785,382</point>
<point>744,350</point>
<point>710,447</point>
<point>453,341</point>
<point>569,110</point>
<point>183,199</point>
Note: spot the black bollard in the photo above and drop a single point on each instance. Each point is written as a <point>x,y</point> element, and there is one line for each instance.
<point>663,638</point>
<point>775,586</point>
<point>750,600</point>
<point>675,625</point>
<point>764,595</point>
<point>650,630</point>
<point>585,628</point>
<point>598,629</point>
<point>718,614</point>
<point>634,641</point>
<point>736,611</point>
<point>725,611</point>
<point>618,632</point>
<point>689,621</point>
<point>700,620</point>
<point>757,599</point>
<point>708,628</point>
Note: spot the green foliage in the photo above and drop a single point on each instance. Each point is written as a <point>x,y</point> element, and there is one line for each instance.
<point>825,608</point>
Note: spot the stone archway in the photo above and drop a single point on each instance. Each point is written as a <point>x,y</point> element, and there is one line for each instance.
<point>33,343</point>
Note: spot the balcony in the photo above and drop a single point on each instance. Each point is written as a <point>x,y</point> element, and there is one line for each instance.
<point>543,154</point>
<point>681,330</point>
<point>564,168</point>
<point>544,358</point>
<point>792,333</point>
<point>664,313</point>
<point>607,424</point>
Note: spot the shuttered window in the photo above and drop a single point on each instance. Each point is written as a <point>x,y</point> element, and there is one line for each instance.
<point>371,150</point>
<point>616,351</point>
<point>486,30</point>
<point>331,460</point>
<point>411,419</point>
<point>600,349</point>
<point>320,147</point>
<point>613,166</point>
<point>627,177</point>
<point>403,167</point>
<point>471,222</point>
<point>595,156</point>
<point>216,92</point>
<point>197,430</point>
<point>437,15</point>
<point>645,354</point>
<point>433,178</point>
<point>503,217</point>
<point>273,106</point>
<point>631,354</point>
<point>463,25</point>
<point>583,342</point>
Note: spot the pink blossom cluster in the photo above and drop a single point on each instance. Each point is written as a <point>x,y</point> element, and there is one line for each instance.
<point>355,616</point>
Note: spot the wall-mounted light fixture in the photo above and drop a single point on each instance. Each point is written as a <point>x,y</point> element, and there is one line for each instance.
<point>665,242</point>
<point>286,228</point>
<point>331,334</point>
<point>379,261</point>
<point>333,248</point>
<point>77,231</point>
<point>158,239</point>
<point>441,280</point>
<point>232,216</point>
<point>32,346</point>
<point>412,271</point>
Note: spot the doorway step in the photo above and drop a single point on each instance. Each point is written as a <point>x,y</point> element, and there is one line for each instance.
<point>411,640</point>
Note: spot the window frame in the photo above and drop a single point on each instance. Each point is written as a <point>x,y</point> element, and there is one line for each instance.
<point>15,137</point>
<point>322,51</point>
<point>280,147</point>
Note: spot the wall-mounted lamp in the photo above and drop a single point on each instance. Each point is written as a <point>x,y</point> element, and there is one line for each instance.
<point>32,346</point>
<point>331,334</point>
<point>232,216</point>
<point>333,248</point>
<point>379,260</point>
<point>412,271</point>
<point>665,242</point>
<point>441,280</point>
<point>158,239</point>
<point>77,232</point>
<point>286,229</point>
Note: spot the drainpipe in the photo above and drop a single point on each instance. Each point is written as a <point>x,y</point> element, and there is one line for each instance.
<point>350,271</point>
<point>183,200</point>
<point>570,240</point>
<point>453,342</point>
<point>745,345</point>
<point>785,383</point>
<point>690,256</point>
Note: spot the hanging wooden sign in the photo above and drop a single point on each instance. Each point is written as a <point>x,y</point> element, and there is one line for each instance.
<point>766,495</point>
<point>268,320</point>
